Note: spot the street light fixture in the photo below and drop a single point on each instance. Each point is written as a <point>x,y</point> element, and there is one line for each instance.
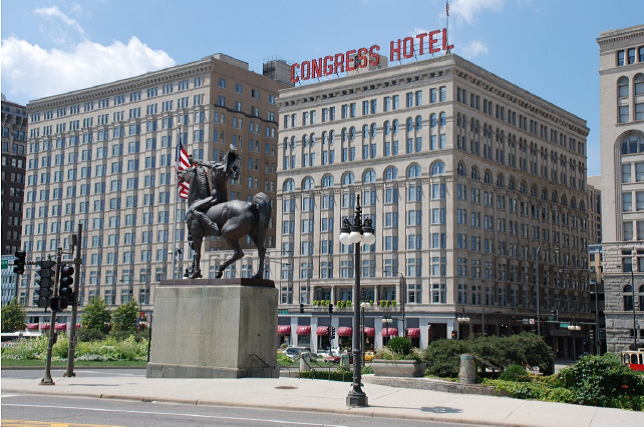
<point>357,234</point>
<point>574,327</point>
<point>593,280</point>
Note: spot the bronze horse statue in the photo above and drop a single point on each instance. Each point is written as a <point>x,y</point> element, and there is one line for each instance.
<point>211,214</point>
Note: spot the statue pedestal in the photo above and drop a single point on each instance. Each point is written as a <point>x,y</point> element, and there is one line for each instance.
<point>214,328</point>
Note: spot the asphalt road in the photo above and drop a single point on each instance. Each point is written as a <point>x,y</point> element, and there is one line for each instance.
<point>50,410</point>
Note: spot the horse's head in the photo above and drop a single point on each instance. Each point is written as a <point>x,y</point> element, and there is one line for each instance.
<point>232,170</point>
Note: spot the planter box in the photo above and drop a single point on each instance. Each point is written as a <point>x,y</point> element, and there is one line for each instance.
<point>398,368</point>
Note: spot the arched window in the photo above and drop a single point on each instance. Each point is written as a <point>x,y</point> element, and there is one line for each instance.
<point>622,87</point>
<point>410,124</point>
<point>365,132</point>
<point>313,139</point>
<point>419,123</point>
<point>511,184</point>
<point>460,169</point>
<point>475,173</point>
<point>487,178</point>
<point>432,120</point>
<point>344,135</point>
<point>369,176</point>
<point>308,183</point>
<point>305,141</point>
<point>327,181</point>
<point>638,81</point>
<point>331,137</point>
<point>554,197</point>
<point>289,185</point>
<point>348,179</point>
<point>293,143</point>
<point>628,297</point>
<point>285,143</point>
<point>500,182</point>
<point>544,194</point>
<point>391,173</point>
<point>443,118</point>
<point>564,201</point>
<point>573,203</point>
<point>352,133</point>
<point>386,127</point>
<point>438,168</point>
<point>414,171</point>
<point>458,120</point>
<point>324,138</point>
<point>522,187</point>
<point>395,127</point>
<point>374,130</point>
<point>632,144</point>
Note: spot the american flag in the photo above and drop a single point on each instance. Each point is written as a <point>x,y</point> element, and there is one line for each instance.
<point>181,164</point>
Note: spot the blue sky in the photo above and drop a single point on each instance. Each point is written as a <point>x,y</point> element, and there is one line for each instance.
<point>547,47</point>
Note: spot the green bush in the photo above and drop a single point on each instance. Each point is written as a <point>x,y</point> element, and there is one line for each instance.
<point>515,373</point>
<point>443,356</point>
<point>604,381</point>
<point>89,334</point>
<point>339,375</point>
<point>401,345</point>
<point>532,390</point>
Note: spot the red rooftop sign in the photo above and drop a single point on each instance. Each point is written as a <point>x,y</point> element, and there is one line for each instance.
<point>363,57</point>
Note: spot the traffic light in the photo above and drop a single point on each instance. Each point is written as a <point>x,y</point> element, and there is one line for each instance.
<point>602,334</point>
<point>45,282</point>
<point>330,308</point>
<point>454,334</point>
<point>58,303</point>
<point>332,332</point>
<point>66,281</point>
<point>19,263</point>
<point>301,308</point>
<point>513,320</point>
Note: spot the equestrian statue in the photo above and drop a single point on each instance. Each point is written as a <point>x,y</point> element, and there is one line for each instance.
<point>210,213</point>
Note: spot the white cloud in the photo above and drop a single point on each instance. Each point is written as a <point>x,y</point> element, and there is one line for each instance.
<point>467,10</point>
<point>474,48</point>
<point>53,14</point>
<point>31,72</point>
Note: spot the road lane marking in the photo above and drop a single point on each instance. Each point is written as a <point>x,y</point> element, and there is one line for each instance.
<point>25,423</point>
<point>168,414</point>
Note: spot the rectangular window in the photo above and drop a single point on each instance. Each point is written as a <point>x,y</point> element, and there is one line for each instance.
<point>623,114</point>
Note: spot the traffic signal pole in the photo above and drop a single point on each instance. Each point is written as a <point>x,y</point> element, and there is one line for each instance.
<point>47,380</point>
<point>76,239</point>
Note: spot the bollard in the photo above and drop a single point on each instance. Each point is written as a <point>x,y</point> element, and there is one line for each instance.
<point>305,362</point>
<point>344,360</point>
<point>467,373</point>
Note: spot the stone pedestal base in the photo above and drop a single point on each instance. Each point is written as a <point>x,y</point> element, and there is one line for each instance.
<point>214,328</point>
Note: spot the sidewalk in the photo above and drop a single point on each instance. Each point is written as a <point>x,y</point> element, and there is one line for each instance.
<point>326,396</point>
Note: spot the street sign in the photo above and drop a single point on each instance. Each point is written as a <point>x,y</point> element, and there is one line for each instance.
<point>283,311</point>
<point>5,264</point>
<point>525,321</point>
<point>564,325</point>
<point>531,321</point>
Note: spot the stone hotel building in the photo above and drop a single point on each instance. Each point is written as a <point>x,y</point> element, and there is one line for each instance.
<point>477,190</point>
<point>621,74</point>
<point>105,157</point>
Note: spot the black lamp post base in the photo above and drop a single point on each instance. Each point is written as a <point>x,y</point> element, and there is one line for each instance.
<point>357,400</point>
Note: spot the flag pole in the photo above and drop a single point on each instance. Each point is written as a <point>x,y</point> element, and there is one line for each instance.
<point>176,203</point>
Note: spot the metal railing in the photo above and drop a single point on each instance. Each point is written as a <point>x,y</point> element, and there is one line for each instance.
<point>263,366</point>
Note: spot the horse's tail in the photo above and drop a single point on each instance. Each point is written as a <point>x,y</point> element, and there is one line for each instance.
<point>262,206</point>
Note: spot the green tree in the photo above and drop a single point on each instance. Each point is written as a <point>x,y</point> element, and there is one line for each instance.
<point>96,315</point>
<point>14,317</point>
<point>124,317</point>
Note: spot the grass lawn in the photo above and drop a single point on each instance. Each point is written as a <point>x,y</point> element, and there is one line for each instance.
<point>63,364</point>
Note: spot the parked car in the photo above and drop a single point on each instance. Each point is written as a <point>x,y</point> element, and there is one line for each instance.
<point>335,358</point>
<point>294,352</point>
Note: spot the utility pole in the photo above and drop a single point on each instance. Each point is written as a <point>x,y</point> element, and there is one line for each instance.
<point>47,380</point>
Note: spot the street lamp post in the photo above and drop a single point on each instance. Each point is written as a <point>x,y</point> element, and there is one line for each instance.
<point>556,249</point>
<point>593,278</point>
<point>356,234</point>
<point>574,327</point>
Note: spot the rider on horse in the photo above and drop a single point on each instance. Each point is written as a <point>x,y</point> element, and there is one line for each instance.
<point>220,171</point>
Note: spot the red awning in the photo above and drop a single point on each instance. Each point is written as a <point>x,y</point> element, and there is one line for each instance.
<point>304,329</point>
<point>60,326</point>
<point>322,331</point>
<point>32,326</point>
<point>369,331</point>
<point>283,329</point>
<point>388,332</point>
<point>345,331</point>
<point>45,326</point>
<point>413,332</point>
